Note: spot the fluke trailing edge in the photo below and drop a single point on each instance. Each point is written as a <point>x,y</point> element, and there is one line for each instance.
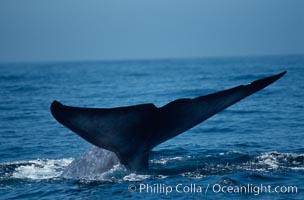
<point>132,132</point>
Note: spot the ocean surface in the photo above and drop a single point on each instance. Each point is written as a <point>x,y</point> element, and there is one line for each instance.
<point>254,143</point>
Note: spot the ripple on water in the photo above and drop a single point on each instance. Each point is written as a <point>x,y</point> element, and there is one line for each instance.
<point>220,164</point>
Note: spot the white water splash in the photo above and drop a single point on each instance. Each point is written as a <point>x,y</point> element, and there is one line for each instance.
<point>135,177</point>
<point>140,177</point>
<point>164,161</point>
<point>269,160</point>
<point>41,169</point>
<point>275,161</point>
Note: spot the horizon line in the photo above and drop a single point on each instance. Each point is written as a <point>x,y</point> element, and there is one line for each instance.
<point>147,59</point>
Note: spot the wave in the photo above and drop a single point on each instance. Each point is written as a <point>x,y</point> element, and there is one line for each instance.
<point>283,161</point>
<point>161,168</point>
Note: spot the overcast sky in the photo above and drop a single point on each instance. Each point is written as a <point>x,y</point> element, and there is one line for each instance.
<point>69,30</point>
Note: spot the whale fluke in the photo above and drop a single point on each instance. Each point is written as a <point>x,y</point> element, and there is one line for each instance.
<point>131,132</point>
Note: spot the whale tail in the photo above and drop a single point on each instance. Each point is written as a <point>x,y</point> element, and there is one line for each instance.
<point>132,132</point>
<point>121,130</point>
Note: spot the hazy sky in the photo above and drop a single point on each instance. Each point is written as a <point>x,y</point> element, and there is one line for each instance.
<point>36,30</point>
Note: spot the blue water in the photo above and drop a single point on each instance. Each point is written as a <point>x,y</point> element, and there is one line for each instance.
<point>256,141</point>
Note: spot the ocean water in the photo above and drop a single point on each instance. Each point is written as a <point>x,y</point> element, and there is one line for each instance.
<point>256,142</point>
